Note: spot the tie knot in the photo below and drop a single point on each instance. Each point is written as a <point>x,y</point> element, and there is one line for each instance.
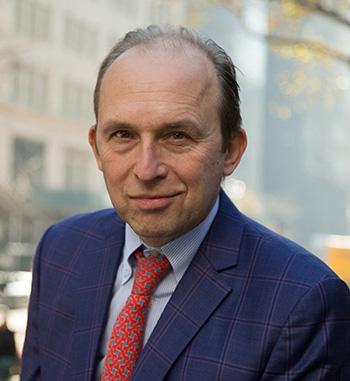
<point>149,272</point>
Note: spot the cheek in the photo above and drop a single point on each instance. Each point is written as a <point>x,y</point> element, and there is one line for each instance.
<point>211,160</point>
<point>115,171</point>
<point>200,168</point>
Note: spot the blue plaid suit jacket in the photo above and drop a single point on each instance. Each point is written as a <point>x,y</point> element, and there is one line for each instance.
<point>251,306</point>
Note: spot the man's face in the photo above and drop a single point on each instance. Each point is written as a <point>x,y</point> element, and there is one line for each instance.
<point>159,142</point>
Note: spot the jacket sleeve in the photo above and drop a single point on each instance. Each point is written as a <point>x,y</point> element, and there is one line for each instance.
<point>30,366</point>
<point>315,341</point>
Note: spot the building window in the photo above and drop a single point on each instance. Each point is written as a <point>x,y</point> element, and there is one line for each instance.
<point>28,162</point>
<point>30,87</point>
<point>4,225</point>
<point>76,170</point>
<point>160,12</point>
<point>80,37</point>
<point>128,7</point>
<point>76,101</point>
<point>28,229</point>
<point>33,19</point>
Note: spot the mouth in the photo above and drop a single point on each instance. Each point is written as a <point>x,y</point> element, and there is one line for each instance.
<point>153,202</point>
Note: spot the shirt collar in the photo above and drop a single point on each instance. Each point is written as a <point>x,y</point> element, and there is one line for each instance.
<point>180,251</point>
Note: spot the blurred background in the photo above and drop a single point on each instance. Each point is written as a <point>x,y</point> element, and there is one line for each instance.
<point>294,70</point>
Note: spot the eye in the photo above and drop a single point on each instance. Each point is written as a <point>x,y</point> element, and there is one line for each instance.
<point>123,134</point>
<point>178,135</point>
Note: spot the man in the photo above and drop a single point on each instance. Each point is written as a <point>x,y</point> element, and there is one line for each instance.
<point>240,302</point>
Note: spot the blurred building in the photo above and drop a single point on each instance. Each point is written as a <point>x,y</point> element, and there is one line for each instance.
<point>249,54</point>
<point>306,136</point>
<point>294,176</point>
<point>50,52</point>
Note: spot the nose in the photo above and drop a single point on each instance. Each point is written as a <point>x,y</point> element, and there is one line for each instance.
<point>149,165</point>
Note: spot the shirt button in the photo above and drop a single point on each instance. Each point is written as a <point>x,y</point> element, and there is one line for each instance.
<point>154,254</point>
<point>126,273</point>
<point>152,303</point>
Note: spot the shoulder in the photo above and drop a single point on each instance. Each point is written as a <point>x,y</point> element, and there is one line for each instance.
<point>97,221</point>
<point>96,226</point>
<point>265,251</point>
<point>278,252</point>
<point>68,243</point>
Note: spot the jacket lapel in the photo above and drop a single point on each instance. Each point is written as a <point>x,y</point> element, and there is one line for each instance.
<point>98,269</point>
<point>196,297</point>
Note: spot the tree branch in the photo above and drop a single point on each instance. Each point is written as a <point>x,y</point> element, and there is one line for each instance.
<point>316,6</point>
<point>317,47</point>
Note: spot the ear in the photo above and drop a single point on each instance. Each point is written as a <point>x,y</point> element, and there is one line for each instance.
<point>235,151</point>
<point>93,144</point>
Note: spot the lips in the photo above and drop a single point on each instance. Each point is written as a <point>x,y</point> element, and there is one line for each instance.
<point>151,196</point>
<point>153,201</point>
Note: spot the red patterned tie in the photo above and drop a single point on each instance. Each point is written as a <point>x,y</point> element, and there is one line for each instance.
<point>125,343</point>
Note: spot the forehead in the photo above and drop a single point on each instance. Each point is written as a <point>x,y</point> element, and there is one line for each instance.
<point>159,71</point>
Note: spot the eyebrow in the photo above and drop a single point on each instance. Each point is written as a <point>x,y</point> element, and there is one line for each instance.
<point>112,126</point>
